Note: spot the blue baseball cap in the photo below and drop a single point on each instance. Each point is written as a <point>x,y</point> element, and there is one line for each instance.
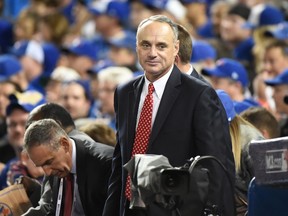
<point>280,32</point>
<point>281,79</point>
<point>30,48</point>
<point>26,101</point>
<point>228,68</point>
<point>270,15</point>
<point>81,47</point>
<point>155,4</point>
<point>227,104</point>
<point>51,57</point>
<point>241,106</point>
<point>117,9</point>
<point>202,50</point>
<point>101,64</point>
<point>127,41</point>
<point>9,66</point>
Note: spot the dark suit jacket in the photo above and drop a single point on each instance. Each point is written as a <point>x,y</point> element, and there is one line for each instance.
<point>190,121</point>
<point>93,168</point>
<point>198,76</point>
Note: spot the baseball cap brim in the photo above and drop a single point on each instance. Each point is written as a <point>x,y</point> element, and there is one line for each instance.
<point>213,72</point>
<point>275,81</point>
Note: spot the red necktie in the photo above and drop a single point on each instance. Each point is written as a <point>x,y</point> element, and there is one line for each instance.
<point>68,195</point>
<point>142,132</point>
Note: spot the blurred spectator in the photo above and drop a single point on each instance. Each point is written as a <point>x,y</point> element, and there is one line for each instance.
<point>123,52</point>
<point>31,56</point>
<point>76,98</point>
<point>142,9</point>
<point>79,25</point>
<point>203,55</point>
<point>198,18</point>
<point>100,132</point>
<point>6,151</point>
<point>275,61</point>
<point>219,10</point>
<point>51,58</point>
<point>232,77</point>
<point>59,76</point>
<point>275,58</point>
<point>239,38</point>
<point>12,8</point>
<point>263,17</point>
<point>52,28</point>
<point>25,26</point>
<point>280,92</point>
<point>10,68</point>
<point>280,32</point>
<point>182,59</point>
<point>110,18</point>
<point>16,116</point>
<point>263,14</point>
<point>109,78</point>
<point>263,120</point>
<point>242,132</point>
<point>24,167</point>
<point>6,32</point>
<point>80,56</point>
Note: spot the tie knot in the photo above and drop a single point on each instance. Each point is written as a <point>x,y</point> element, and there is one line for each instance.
<point>150,88</point>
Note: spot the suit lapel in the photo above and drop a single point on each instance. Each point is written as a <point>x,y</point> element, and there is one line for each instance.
<point>80,170</point>
<point>169,97</point>
<point>54,184</point>
<point>134,98</point>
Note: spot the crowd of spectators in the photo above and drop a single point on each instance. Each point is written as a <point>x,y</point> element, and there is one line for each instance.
<point>76,52</point>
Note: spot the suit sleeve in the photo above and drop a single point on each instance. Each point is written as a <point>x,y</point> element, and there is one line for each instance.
<point>212,137</point>
<point>45,204</point>
<point>112,204</point>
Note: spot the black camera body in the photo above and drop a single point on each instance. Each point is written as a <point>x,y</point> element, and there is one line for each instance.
<point>174,181</point>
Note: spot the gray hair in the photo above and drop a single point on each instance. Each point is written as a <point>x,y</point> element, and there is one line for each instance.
<point>43,132</point>
<point>162,19</point>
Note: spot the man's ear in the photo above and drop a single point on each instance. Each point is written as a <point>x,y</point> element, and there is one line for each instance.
<point>64,142</point>
<point>177,58</point>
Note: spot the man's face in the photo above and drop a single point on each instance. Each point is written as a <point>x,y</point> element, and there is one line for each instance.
<point>54,162</point>
<point>74,100</point>
<point>231,29</point>
<point>274,61</point>
<point>156,49</point>
<point>106,96</point>
<point>226,84</point>
<point>16,122</point>
<point>280,92</point>
<point>122,56</point>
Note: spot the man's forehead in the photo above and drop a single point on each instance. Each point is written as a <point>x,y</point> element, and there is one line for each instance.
<point>39,154</point>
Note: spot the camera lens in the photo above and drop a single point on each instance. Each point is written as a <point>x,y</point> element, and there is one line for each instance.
<point>171,181</point>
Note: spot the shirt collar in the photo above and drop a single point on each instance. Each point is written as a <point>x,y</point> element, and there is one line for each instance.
<point>73,169</point>
<point>159,85</point>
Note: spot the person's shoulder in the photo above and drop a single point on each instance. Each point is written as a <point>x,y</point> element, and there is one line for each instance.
<point>194,82</point>
<point>95,149</point>
<point>130,85</point>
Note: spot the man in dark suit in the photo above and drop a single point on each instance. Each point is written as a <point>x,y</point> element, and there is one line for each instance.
<point>93,166</point>
<point>182,60</point>
<point>187,120</point>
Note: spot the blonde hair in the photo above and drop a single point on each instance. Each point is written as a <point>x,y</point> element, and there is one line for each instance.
<point>116,75</point>
<point>100,132</point>
<point>236,138</point>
